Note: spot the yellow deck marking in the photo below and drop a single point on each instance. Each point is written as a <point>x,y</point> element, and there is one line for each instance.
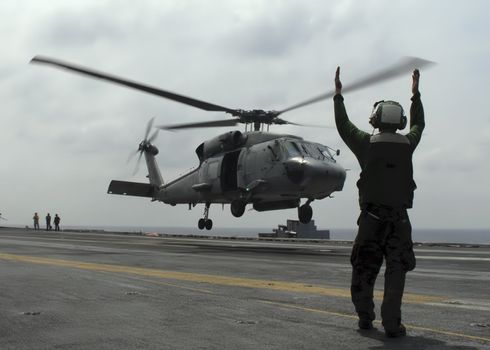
<point>211,279</point>
<point>237,282</point>
<point>417,328</point>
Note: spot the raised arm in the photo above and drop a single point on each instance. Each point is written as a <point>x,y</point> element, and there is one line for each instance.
<point>350,134</point>
<point>417,118</point>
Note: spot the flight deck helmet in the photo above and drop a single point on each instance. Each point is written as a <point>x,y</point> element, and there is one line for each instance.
<point>388,115</point>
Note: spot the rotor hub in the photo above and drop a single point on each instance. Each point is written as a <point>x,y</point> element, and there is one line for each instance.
<point>147,147</point>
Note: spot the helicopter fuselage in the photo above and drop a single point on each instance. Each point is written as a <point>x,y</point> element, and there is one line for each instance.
<point>268,170</point>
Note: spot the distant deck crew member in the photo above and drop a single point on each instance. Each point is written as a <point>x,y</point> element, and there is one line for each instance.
<point>48,222</point>
<point>386,189</point>
<point>36,221</point>
<point>57,220</point>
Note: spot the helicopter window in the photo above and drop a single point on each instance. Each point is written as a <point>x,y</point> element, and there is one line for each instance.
<point>313,151</point>
<point>305,149</point>
<point>326,153</point>
<point>213,169</point>
<point>292,149</point>
<point>275,151</point>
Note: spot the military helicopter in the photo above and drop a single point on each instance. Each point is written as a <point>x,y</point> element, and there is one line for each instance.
<point>269,171</point>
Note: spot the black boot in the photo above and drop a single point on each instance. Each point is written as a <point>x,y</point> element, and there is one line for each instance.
<point>365,324</point>
<point>399,331</point>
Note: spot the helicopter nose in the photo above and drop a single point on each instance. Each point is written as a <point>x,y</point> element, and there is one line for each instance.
<point>295,169</point>
<point>320,174</point>
<point>315,174</point>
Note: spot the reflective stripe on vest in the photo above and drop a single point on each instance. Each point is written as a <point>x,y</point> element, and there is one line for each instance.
<point>389,137</point>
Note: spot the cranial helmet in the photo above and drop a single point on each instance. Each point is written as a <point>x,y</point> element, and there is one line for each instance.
<point>388,115</point>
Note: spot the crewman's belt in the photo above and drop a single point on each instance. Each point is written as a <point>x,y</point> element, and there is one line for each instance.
<point>385,213</point>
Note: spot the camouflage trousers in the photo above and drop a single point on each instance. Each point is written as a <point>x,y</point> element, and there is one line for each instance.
<point>383,233</point>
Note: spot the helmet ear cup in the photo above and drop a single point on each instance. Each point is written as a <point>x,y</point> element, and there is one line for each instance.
<point>403,122</point>
<point>375,118</point>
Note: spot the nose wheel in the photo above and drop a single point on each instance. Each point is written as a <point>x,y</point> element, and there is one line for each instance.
<point>205,223</point>
<point>305,213</point>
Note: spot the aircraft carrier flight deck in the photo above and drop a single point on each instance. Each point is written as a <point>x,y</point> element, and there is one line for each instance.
<point>100,290</point>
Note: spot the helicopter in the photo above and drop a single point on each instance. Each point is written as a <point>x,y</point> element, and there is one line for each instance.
<point>266,170</point>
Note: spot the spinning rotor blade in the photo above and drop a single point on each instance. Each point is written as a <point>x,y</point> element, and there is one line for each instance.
<point>305,125</point>
<point>153,136</point>
<point>131,155</point>
<point>138,162</point>
<point>132,84</point>
<point>145,143</point>
<point>149,125</point>
<point>257,117</point>
<point>404,66</point>
<point>225,122</point>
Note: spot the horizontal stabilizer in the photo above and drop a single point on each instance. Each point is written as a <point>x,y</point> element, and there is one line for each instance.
<point>131,189</point>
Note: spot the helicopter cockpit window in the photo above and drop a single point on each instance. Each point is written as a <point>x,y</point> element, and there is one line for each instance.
<point>275,150</point>
<point>292,149</point>
<point>312,151</point>
<point>326,153</point>
<point>305,149</point>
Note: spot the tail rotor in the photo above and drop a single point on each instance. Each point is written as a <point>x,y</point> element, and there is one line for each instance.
<point>145,145</point>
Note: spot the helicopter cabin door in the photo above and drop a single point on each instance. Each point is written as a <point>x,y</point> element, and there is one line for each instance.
<point>229,171</point>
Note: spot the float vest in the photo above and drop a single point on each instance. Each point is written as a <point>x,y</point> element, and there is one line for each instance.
<point>387,176</point>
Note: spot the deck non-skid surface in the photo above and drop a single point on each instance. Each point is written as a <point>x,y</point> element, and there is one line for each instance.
<point>111,291</point>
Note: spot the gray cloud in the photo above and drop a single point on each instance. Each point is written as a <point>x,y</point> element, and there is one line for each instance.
<point>73,28</point>
<point>273,33</point>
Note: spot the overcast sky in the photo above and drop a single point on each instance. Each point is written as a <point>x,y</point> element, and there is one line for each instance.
<point>64,136</point>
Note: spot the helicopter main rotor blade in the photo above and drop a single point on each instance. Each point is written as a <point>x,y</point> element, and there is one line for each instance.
<point>132,84</point>
<point>305,125</point>
<point>404,66</point>
<point>224,122</point>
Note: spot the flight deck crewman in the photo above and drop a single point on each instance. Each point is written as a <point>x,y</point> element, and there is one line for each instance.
<point>36,221</point>
<point>48,222</point>
<point>386,189</point>
<point>57,220</point>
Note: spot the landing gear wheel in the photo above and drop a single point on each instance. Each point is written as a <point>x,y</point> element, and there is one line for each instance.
<point>205,222</point>
<point>305,212</point>
<point>238,208</point>
<point>201,223</point>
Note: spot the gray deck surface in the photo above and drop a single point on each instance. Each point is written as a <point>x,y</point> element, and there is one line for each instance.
<point>113,291</point>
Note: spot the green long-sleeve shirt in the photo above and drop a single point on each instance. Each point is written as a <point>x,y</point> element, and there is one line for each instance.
<point>358,140</point>
<point>359,143</point>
